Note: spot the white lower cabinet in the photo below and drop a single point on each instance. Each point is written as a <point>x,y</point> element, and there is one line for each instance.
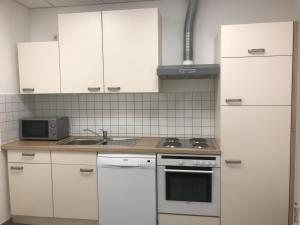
<point>255,169</point>
<point>170,219</point>
<point>30,189</point>
<point>75,191</point>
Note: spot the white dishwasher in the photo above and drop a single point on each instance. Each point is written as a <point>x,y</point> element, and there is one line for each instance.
<point>127,189</point>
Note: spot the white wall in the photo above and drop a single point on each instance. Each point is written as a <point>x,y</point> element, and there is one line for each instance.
<point>14,24</point>
<point>14,27</point>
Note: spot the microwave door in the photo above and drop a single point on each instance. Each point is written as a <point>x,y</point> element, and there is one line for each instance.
<point>35,129</point>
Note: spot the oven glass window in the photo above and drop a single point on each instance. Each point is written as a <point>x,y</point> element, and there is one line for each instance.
<point>193,186</point>
<point>35,129</point>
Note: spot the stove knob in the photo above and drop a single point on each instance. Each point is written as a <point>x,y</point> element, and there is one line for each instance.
<point>195,162</point>
<point>207,163</point>
<point>180,162</point>
<point>200,162</point>
<point>213,163</point>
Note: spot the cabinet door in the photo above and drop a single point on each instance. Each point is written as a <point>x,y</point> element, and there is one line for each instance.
<point>257,80</point>
<point>255,190</point>
<point>80,43</point>
<point>263,39</point>
<point>131,50</point>
<point>39,67</point>
<point>30,189</point>
<point>75,191</point>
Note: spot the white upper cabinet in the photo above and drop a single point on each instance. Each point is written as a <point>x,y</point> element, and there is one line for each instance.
<point>262,39</point>
<point>131,50</point>
<point>80,42</point>
<point>39,67</point>
<point>256,80</point>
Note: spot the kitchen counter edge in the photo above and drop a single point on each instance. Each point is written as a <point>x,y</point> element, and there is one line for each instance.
<point>144,145</point>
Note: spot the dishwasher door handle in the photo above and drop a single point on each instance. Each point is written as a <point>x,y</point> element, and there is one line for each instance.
<point>120,166</point>
<point>189,171</point>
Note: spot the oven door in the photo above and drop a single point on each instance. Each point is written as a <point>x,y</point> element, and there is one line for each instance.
<point>34,129</point>
<point>189,190</point>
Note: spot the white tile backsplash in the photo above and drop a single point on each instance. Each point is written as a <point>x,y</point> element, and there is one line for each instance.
<point>12,108</point>
<point>189,114</point>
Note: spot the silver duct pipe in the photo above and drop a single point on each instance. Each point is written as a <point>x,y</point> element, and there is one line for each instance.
<point>189,32</point>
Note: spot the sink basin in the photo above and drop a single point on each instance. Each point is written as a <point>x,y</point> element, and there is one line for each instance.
<point>93,141</point>
<point>80,141</point>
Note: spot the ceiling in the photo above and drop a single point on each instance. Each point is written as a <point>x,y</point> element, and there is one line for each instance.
<point>59,3</point>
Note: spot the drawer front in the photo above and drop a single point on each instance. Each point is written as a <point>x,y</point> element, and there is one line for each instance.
<point>256,81</point>
<point>27,156</point>
<point>169,219</point>
<point>257,39</point>
<point>74,158</point>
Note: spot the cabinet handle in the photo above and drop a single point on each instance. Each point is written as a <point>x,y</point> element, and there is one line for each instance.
<point>233,161</point>
<point>114,88</point>
<point>257,51</point>
<point>28,154</point>
<point>86,170</point>
<point>28,89</point>
<point>17,168</point>
<point>94,89</point>
<point>233,100</point>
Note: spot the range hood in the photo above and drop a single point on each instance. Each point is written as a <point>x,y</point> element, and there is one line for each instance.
<point>189,70</point>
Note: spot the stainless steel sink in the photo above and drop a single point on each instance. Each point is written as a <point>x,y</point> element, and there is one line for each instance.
<point>94,141</point>
<point>82,141</point>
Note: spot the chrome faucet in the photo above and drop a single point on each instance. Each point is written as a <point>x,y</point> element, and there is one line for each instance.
<point>104,134</point>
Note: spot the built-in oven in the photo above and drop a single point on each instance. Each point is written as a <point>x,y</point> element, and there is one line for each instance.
<point>189,184</point>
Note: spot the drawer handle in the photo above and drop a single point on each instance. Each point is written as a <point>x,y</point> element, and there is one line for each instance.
<point>233,161</point>
<point>94,89</point>
<point>257,51</point>
<point>114,88</point>
<point>28,154</point>
<point>86,170</point>
<point>17,168</point>
<point>233,100</point>
<point>28,89</point>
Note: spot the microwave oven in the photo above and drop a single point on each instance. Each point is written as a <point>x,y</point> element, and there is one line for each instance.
<point>54,128</point>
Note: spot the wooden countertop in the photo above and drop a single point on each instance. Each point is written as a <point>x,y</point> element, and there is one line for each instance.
<point>144,145</point>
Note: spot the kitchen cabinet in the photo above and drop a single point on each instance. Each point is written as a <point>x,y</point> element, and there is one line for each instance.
<point>81,60</point>
<point>254,123</point>
<point>75,191</point>
<point>260,39</point>
<point>39,71</point>
<point>255,144</point>
<point>171,219</point>
<point>75,185</point>
<point>131,50</point>
<point>256,80</point>
<point>30,189</point>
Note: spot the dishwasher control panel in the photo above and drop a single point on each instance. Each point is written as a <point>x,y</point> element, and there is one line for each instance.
<point>126,160</point>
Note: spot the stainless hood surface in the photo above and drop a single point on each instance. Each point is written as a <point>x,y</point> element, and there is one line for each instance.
<point>189,70</point>
<point>200,71</point>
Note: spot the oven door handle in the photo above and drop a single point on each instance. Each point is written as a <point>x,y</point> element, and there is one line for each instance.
<point>189,171</point>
